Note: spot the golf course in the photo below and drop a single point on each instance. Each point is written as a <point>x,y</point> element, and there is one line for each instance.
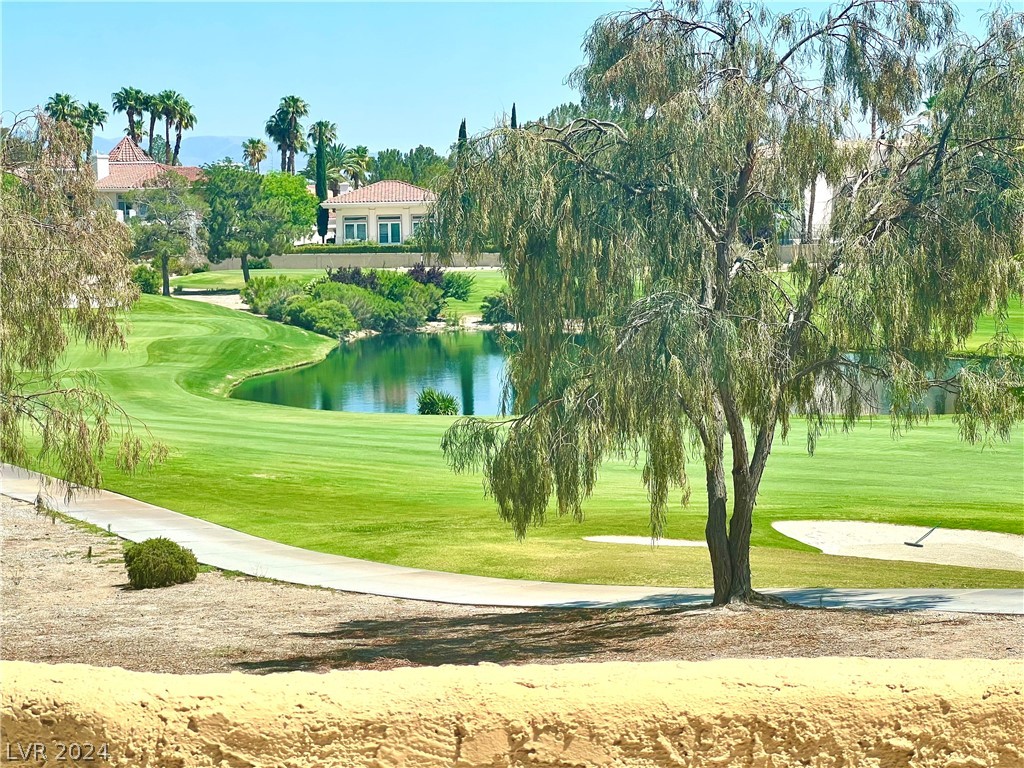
<point>376,486</point>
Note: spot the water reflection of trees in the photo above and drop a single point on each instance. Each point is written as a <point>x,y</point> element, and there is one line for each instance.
<point>384,373</point>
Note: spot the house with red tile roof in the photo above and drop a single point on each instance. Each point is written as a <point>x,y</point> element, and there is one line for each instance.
<point>386,212</point>
<point>126,170</point>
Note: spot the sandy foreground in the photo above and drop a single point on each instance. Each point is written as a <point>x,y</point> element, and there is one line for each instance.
<point>60,605</point>
<point>828,713</point>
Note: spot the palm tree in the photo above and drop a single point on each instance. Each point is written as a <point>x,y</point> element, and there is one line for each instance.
<point>184,120</point>
<point>132,102</point>
<point>254,151</point>
<point>170,103</point>
<point>152,104</point>
<point>63,108</point>
<point>91,117</point>
<point>356,165</point>
<point>277,131</point>
<point>292,109</point>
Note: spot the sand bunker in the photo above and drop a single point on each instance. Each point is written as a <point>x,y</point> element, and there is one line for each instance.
<point>881,541</point>
<point>827,712</point>
<point>645,540</point>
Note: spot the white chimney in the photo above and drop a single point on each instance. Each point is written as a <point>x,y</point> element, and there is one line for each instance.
<point>344,187</point>
<point>101,164</point>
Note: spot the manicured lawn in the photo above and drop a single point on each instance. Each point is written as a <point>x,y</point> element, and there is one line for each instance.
<point>376,486</point>
<point>986,326</point>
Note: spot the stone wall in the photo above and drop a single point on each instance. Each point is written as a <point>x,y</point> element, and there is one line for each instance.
<point>825,712</point>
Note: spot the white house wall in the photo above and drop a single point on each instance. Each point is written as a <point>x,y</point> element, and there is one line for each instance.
<point>374,211</point>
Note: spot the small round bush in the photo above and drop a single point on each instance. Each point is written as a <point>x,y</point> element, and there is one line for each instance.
<point>497,309</point>
<point>159,563</point>
<point>147,278</point>
<point>432,402</point>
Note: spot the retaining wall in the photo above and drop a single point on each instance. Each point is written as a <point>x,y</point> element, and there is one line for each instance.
<point>825,713</point>
<point>364,260</point>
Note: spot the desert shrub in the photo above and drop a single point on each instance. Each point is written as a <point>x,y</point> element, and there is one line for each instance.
<point>296,310</point>
<point>262,293</point>
<point>421,301</point>
<point>204,267</point>
<point>354,276</point>
<point>427,276</point>
<point>312,285</point>
<point>457,285</point>
<point>147,278</point>
<point>332,318</point>
<point>159,563</point>
<point>497,308</point>
<point>433,402</point>
<point>259,262</point>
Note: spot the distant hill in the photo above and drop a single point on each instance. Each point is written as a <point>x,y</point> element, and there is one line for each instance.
<point>195,150</point>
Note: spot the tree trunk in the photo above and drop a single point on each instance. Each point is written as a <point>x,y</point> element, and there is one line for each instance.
<point>177,147</point>
<point>165,273</point>
<point>152,130</point>
<point>284,160</point>
<point>167,142</point>
<point>739,538</point>
<point>245,267</point>
<point>715,531</point>
<point>809,235</point>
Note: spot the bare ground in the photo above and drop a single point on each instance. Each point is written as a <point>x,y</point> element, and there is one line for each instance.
<point>60,605</point>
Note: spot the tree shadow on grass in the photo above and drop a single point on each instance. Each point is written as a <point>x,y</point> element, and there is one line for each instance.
<point>503,638</point>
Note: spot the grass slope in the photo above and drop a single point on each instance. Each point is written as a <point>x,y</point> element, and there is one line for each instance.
<point>376,486</point>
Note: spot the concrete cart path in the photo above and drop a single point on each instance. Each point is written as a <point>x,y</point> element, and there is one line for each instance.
<point>233,550</point>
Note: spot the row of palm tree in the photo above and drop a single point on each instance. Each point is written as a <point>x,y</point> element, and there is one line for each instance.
<point>284,128</point>
<point>170,106</point>
<point>63,107</point>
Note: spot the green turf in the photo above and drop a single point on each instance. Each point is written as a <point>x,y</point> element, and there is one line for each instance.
<point>986,326</point>
<point>376,486</point>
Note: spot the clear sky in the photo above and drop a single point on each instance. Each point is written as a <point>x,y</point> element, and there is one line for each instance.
<point>389,74</point>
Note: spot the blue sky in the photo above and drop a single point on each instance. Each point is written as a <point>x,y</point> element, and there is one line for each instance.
<point>389,74</point>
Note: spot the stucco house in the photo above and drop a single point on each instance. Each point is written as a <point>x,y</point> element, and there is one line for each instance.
<point>126,170</point>
<point>386,212</point>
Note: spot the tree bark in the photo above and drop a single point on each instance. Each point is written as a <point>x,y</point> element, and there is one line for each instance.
<point>715,532</point>
<point>177,147</point>
<point>166,275</point>
<point>167,142</point>
<point>739,538</point>
<point>245,267</point>
<point>284,161</point>
<point>152,130</point>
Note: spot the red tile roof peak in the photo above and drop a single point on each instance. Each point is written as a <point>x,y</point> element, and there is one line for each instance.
<point>387,191</point>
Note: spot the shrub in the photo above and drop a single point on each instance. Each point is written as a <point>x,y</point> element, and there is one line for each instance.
<point>296,310</point>
<point>432,402</point>
<point>259,262</point>
<point>497,309</point>
<point>204,267</point>
<point>159,563</point>
<point>457,285</point>
<point>432,276</point>
<point>262,293</point>
<point>147,278</point>
<point>331,318</point>
<point>366,247</point>
<point>354,276</point>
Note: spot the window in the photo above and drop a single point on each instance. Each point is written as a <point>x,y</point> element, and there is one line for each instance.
<point>389,231</point>
<point>355,228</point>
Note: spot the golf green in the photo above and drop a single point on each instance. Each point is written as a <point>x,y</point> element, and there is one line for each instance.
<point>376,486</point>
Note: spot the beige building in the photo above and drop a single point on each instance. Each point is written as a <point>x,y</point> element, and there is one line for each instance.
<point>126,170</point>
<point>385,212</point>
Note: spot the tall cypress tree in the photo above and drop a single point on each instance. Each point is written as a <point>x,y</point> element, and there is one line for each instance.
<point>321,134</point>
<point>515,123</point>
<point>462,133</point>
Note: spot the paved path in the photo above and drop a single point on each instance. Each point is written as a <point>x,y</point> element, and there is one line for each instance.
<point>233,550</point>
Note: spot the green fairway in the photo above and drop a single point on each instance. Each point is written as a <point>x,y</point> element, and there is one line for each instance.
<point>986,326</point>
<point>376,486</point>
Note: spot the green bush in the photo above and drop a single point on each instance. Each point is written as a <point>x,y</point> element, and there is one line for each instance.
<point>261,293</point>
<point>458,285</point>
<point>259,262</point>
<point>159,563</point>
<point>432,402</point>
<point>497,308</point>
<point>204,267</point>
<point>147,278</point>
<point>331,318</point>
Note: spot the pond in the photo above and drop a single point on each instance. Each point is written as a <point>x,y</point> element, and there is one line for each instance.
<point>384,374</point>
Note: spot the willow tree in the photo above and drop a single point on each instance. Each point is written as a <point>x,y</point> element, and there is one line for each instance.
<point>642,249</point>
<point>65,278</point>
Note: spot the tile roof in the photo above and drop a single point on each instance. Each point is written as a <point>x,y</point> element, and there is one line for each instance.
<point>131,168</point>
<point>127,151</point>
<point>389,191</point>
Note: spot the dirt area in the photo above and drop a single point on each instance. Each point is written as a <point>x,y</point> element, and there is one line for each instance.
<point>229,300</point>
<point>60,605</point>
